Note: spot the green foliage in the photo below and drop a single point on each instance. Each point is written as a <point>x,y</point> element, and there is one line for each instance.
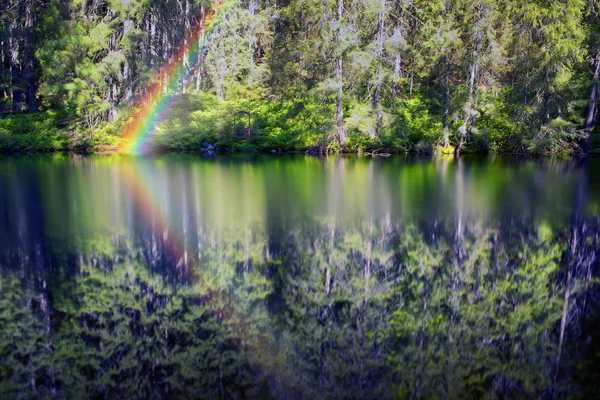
<point>487,76</point>
<point>32,133</point>
<point>241,125</point>
<point>192,120</point>
<point>415,122</point>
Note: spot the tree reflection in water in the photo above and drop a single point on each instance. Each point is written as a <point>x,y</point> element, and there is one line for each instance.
<point>411,279</point>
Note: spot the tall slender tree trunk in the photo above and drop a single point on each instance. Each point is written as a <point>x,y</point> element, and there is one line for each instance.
<point>127,85</point>
<point>328,269</point>
<point>15,69</point>
<point>471,106</point>
<point>153,38</point>
<point>339,79</point>
<point>398,58</point>
<point>29,71</point>
<point>592,107</point>
<point>166,53</point>
<point>588,276</point>
<point>446,130</point>
<point>3,82</point>
<point>397,73</point>
<point>198,78</point>
<point>6,75</point>
<point>112,96</point>
<point>112,80</point>
<point>465,129</point>
<point>220,84</point>
<point>379,77</point>
<point>563,325</point>
<point>186,34</point>
<point>199,60</point>
<point>367,270</point>
<point>252,9</point>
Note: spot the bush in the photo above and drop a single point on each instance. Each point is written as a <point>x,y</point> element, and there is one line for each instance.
<point>36,132</point>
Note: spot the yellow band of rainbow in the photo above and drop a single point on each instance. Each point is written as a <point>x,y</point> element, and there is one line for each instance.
<point>155,104</point>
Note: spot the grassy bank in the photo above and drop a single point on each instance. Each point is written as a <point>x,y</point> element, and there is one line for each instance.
<point>196,121</point>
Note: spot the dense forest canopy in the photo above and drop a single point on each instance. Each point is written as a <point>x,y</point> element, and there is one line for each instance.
<point>360,75</point>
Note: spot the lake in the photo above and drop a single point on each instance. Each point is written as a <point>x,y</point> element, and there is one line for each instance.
<point>175,276</point>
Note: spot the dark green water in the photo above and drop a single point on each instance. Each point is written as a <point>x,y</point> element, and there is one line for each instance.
<point>298,277</point>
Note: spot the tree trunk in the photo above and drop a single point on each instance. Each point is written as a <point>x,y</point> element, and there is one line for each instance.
<point>186,54</point>
<point>379,77</point>
<point>339,79</point>
<point>592,107</point>
<point>127,84</point>
<point>198,80</point>
<point>220,84</point>
<point>398,58</point>
<point>199,61</point>
<point>166,57</point>
<point>397,73</point>
<point>112,82</point>
<point>446,130</point>
<point>338,104</point>
<point>252,8</point>
<point>588,277</point>
<point>5,80</point>
<point>29,72</point>
<point>330,262</point>
<point>153,39</point>
<point>15,69</point>
<point>471,106</point>
<point>563,324</point>
<point>112,96</point>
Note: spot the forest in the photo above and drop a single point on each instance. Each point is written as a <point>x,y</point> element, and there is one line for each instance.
<point>132,267</point>
<point>356,76</point>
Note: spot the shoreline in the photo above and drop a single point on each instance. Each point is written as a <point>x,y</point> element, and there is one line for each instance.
<point>213,154</point>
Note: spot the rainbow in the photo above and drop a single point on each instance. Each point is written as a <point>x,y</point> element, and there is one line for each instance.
<point>157,101</point>
<point>258,346</point>
<point>150,111</point>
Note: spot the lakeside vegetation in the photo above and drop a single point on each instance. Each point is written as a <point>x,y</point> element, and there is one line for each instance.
<point>289,75</point>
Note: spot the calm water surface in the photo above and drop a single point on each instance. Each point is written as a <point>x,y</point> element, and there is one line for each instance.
<point>296,277</point>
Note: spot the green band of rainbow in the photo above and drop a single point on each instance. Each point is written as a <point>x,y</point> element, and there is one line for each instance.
<point>156,102</point>
<point>155,105</point>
